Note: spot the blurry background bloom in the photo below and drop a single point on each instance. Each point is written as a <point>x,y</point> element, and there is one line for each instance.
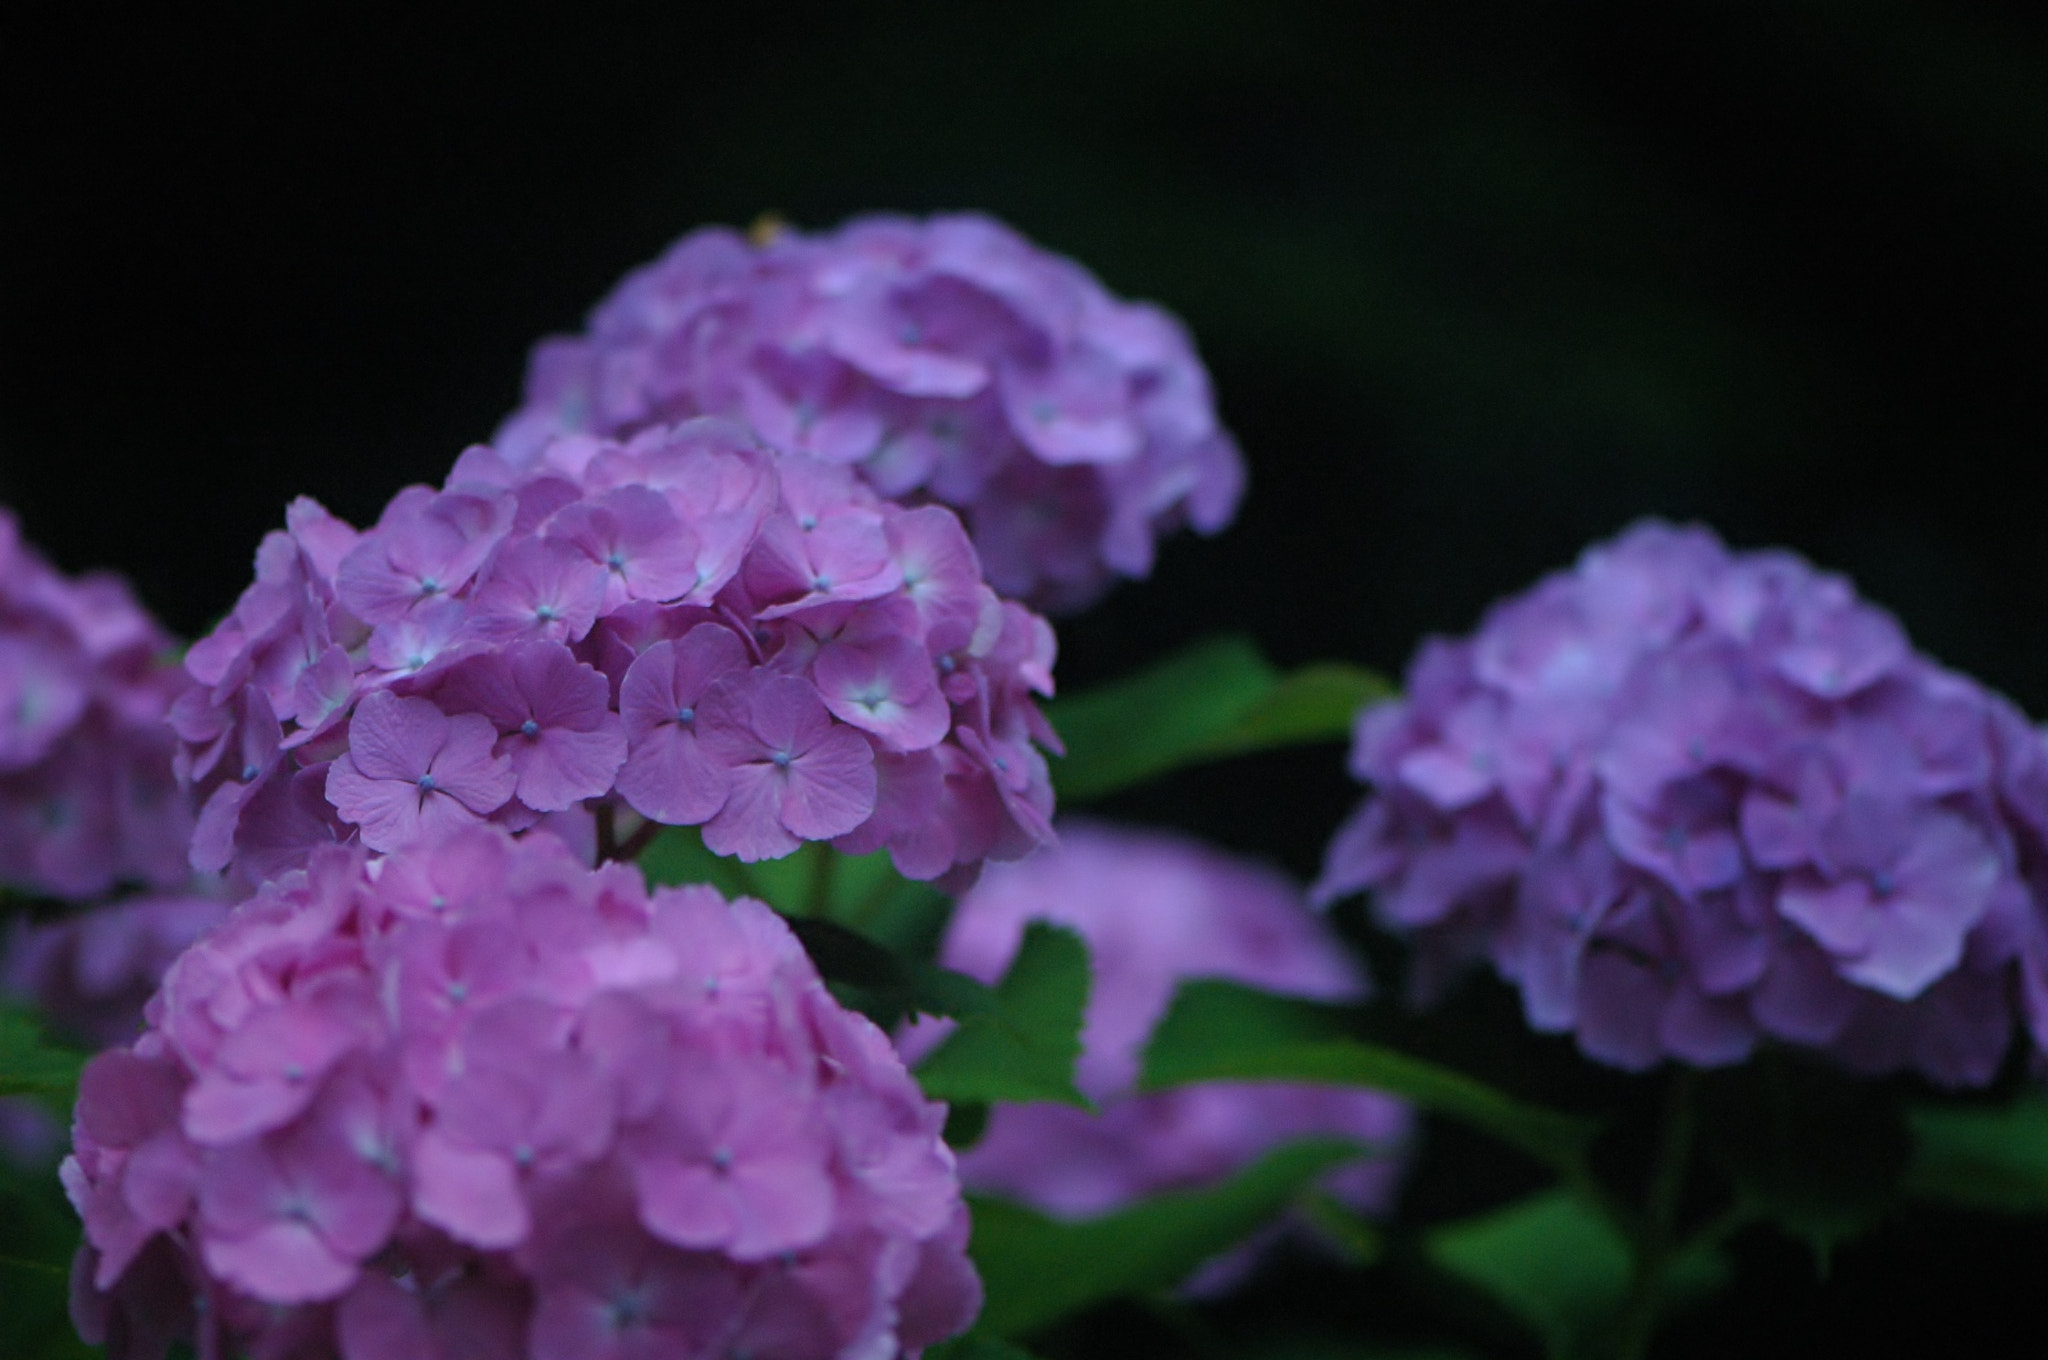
<point>1157,910</point>
<point>1691,802</point>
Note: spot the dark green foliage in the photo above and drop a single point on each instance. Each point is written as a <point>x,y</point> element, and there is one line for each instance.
<point>1216,698</point>
<point>1224,1031</point>
<point>1993,1158</point>
<point>1809,1148</point>
<point>1021,1041</point>
<point>1562,1268</point>
<point>1038,1270</point>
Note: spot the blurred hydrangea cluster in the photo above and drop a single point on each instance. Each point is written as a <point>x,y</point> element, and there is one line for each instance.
<point>476,1098</point>
<point>949,360</point>
<point>1688,800</point>
<point>89,974</point>
<point>1157,910</point>
<point>87,798</point>
<point>684,624</point>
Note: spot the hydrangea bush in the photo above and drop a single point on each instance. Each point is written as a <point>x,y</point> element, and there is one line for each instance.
<point>1689,800</point>
<point>948,360</point>
<point>685,629</point>
<point>596,815</point>
<point>474,1097</point>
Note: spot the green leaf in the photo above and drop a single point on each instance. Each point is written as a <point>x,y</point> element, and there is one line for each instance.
<point>1561,1267</point>
<point>1977,1158</point>
<point>32,1066</point>
<point>39,1234</point>
<point>1216,698</point>
<point>1319,702</point>
<point>869,930</point>
<point>880,979</point>
<point>1356,1238</point>
<point>1038,1270</point>
<point>1818,1152</point>
<point>1019,1040</point>
<point>1224,1031</point>
<point>677,856</point>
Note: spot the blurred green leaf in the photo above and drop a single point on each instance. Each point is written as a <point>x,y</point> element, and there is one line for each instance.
<point>30,1065</point>
<point>1021,1040</point>
<point>1356,1238</point>
<point>1217,698</point>
<point>1818,1152</point>
<point>1224,1031</point>
<point>1976,1158</point>
<point>1038,1270</point>
<point>1561,1267</point>
<point>677,856</point>
<point>38,1235</point>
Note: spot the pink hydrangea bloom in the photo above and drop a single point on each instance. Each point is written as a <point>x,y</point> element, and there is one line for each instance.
<point>686,627</point>
<point>87,797</point>
<point>476,1098</point>
<point>1157,910</point>
<point>949,360</point>
<point>1690,801</point>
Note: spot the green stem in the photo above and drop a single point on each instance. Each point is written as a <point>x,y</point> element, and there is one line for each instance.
<point>1656,1245</point>
<point>824,861</point>
<point>642,837</point>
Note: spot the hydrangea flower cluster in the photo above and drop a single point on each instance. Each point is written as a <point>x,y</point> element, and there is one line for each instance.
<point>949,359</point>
<point>1157,910</point>
<point>684,625</point>
<point>87,798</point>
<point>476,1098</point>
<point>1688,800</point>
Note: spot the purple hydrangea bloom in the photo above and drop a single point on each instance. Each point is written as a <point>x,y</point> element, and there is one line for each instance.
<point>1690,800</point>
<point>87,797</point>
<point>478,1093</point>
<point>1157,910</point>
<point>685,627</point>
<point>949,359</point>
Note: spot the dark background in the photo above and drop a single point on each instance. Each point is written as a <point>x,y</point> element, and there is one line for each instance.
<point>1478,283</point>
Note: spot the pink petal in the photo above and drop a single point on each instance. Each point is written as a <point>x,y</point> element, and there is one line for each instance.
<point>750,824</point>
<point>394,738</point>
<point>475,1196</point>
<point>282,1262</point>
<point>831,787</point>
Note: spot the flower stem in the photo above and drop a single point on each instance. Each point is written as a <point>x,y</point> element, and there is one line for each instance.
<point>642,837</point>
<point>1656,1245</point>
<point>824,863</point>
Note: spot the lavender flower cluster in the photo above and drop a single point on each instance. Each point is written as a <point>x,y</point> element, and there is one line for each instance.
<point>685,625</point>
<point>474,1098</point>
<point>1689,800</point>
<point>949,360</point>
<point>87,798</point>
<point>1157,910</point>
